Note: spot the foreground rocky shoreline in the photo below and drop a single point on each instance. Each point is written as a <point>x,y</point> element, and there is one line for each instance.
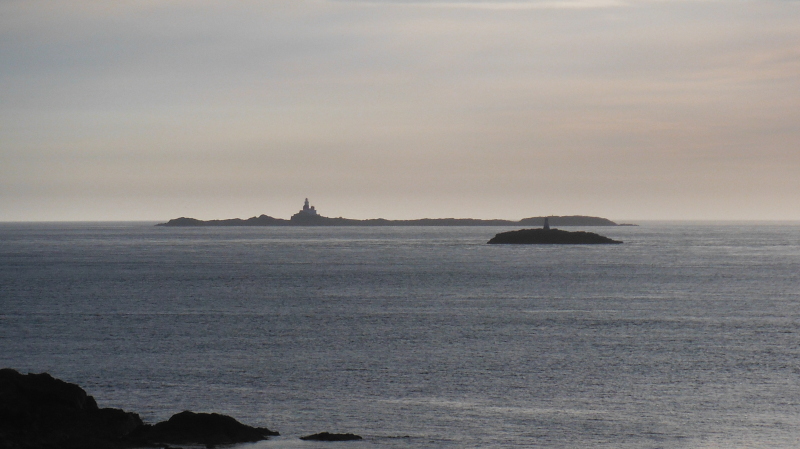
<point>38,411</point>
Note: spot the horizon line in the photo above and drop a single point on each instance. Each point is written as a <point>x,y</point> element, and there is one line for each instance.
<point>622,221</point>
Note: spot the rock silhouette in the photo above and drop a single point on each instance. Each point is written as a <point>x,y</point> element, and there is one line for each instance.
<point>38,411</point>
<point>319,220</point>
<point>204,428</point>
<point>551,237</point>
<point>326,436</point>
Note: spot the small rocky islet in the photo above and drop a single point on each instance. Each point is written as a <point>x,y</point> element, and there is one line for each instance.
<point>38,411</point>
<point>327,436</point>
<point>548,236</point>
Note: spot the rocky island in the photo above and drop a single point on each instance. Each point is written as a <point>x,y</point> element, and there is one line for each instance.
<point>547,236</point>
<point>308,216</point>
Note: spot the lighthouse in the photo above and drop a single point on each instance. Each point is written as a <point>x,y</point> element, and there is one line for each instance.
<point>308,210</point>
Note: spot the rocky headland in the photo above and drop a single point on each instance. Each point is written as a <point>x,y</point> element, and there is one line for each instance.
<point>38,411</point>
<point>550,236</point>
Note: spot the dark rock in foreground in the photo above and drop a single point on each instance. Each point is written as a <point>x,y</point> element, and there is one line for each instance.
<point>204,428</point>
<point>38,411</point>
<point>325,436</point>
<point>550,237</point>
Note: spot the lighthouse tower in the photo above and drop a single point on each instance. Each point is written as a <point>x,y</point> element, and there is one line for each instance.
<point>308,210</point>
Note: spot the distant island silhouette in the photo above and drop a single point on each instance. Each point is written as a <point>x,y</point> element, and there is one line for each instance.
<point>308,216</point>
<point>547,236</point>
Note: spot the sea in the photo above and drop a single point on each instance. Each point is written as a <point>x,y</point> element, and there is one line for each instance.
<point>685,336</point>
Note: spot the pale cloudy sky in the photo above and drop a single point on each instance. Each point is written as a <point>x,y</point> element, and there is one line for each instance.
<point>629,109</point>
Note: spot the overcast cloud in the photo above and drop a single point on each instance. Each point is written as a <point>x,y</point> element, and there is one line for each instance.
<point>399,109</point>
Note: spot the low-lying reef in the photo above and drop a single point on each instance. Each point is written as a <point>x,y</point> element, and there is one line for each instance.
<point>38,411</point>
<point>551,237</point>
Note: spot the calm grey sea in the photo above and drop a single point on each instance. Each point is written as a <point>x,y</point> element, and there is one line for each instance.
<point>686,336</point>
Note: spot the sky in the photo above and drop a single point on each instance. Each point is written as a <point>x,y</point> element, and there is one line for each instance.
<point>624,109</point>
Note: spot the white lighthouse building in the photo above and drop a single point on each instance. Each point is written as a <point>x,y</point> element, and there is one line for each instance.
<point>308,210</point>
